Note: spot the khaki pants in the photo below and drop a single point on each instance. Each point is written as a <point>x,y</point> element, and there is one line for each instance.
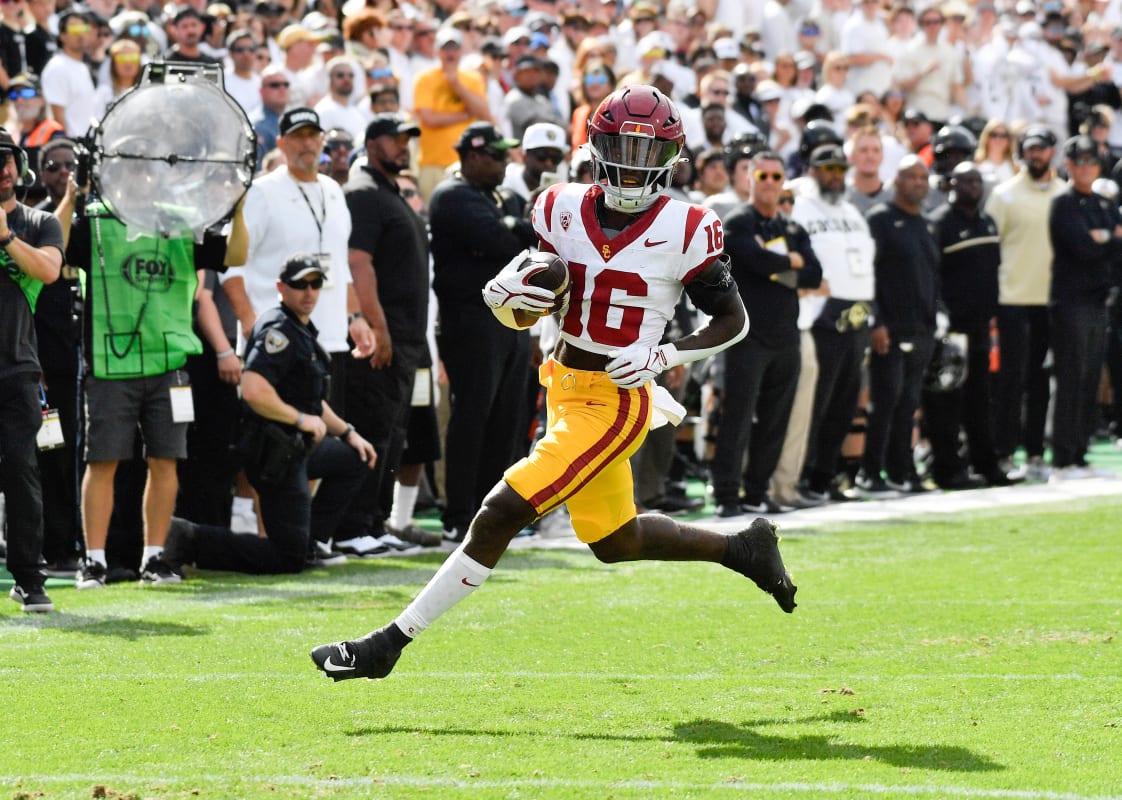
<point>428,178</point>
<point>786,475</point>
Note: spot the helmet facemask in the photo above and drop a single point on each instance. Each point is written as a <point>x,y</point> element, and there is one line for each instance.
<point>633,167</point>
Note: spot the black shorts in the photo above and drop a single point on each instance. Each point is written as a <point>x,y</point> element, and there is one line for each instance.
<point>114,408</point>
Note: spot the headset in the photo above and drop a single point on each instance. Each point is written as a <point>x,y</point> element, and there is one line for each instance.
<point>19,154</point>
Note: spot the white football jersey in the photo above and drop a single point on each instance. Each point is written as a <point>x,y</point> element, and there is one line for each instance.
<point>623,290</point>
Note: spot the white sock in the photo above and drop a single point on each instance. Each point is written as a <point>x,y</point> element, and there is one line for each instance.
<point>404,502</point>
<point>98,556</point>
<point>151,550</point>
<point>242,505</point>
<point>458,576</point>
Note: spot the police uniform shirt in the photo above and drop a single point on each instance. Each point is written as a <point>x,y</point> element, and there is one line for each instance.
<point>284,351</point>
<point>772,307</point>
<point>384,226</point>
<point>1081,267</point>
<point>971,254</point>
<point>906,269</point>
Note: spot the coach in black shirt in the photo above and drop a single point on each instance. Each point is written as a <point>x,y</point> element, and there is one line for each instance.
<point>771,259</point>
<point>1085,229</point>
<point>907,277</point>
<point>388,255</point>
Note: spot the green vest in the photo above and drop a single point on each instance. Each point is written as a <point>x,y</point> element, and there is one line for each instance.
<point>141,289</point>
<point>30,286</point>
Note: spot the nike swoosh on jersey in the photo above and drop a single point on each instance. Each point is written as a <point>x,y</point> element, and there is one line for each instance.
<point>466,582</point>
<point>330,666</point>
<point>649,243</point>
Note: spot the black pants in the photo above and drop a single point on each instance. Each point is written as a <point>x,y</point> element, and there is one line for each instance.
<point>288,513</point>
<point>379,409</point>
<point>895,385</point>
<point>760,385</point>
<point>841,364</point>
<point>967,408</point>
<point>58,470</point>
<point>206,476</point>
<point>488,368</point>
<point>20,419</point>
<point>1021,401</point>
<point>1078,347</point>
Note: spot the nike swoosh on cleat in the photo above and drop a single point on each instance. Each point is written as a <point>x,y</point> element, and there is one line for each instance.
<point>466,582</point>
<point>330,666</point>
<point>649,243</point>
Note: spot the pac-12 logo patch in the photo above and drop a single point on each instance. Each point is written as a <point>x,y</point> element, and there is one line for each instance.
<point>149,271</point>
<point>566,220</point>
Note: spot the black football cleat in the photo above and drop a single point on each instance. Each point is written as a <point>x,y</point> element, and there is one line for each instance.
<point>754,553</point>
<point>372,656</point>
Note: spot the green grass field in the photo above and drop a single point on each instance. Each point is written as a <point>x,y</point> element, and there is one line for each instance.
<point>949,656</point>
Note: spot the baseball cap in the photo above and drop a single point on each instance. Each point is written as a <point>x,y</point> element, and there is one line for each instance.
<point>296,33</point>
<point>515,34</point>
<point>726,47</point>
<point>544,134</point>
<point>804,59</point>
<point>482,135</point>
<point>768,90</point>
<point>828,154</point>
<point>1038,136</point>
<point>653,42</point>
<point>23,79</point>
<point>300,265</point>
<point>528,62</point>
<point>493,46</point>
<point>915,115</point>
<point>391,124</point>
<point>448,35</point>
<point>1024,8</point>
<point>1081,145</point>
<point>294,118</point>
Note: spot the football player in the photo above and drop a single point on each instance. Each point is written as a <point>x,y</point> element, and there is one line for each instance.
<point>630,250</point>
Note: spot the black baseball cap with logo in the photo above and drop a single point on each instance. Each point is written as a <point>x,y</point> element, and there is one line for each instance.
<point>483,135</point>
<point>391,124</point>
<point>296,118</point>
<point>300,265</point>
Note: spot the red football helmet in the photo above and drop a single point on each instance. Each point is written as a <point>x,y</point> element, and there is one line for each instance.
<point>636,138</point>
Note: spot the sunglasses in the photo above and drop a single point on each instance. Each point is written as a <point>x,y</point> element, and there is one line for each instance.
<point>238,48</point>
<point>1086,161</point>
<point>719,92</point>
<point>276,85</point>
<point>26,93</point>
<point>341,75</point>
<point>301,285</point>
<point>127,58</point>
<point>786,200</point>
<point>76,30</point>
<point>552,156</point>
<point>832,169</point>
<point>596,80</point>
<point>137,30</point>
<point>497,155</point>
<point>401,27</point>
<point>408,194</point>
<point>930,23</point>
<point>380,73</point>
<point>769,176</point>
<point>999,135</point>
<point>57,166</point>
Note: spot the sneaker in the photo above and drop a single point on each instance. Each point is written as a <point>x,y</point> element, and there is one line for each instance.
<point>754,553</point>
<point>808,498</point>
<point>62,568</point>
<point>455,537</point>
<point>157,572</point>
<point>321,554</point>
<point>964,480</point>
<point>362,547</point>
<point>674,504</point>
<point>1036,471</point>
<point>415,534</point>
<point>764,506</point>
<point>372,656</point>
<point>726,510</point>
<point>913,484</point>
<point>397,546</point>
<point>182,546</point>
<point>1072,472</point>
<point>873,488</point>
<point>90,575</point>
<point>32,600</point>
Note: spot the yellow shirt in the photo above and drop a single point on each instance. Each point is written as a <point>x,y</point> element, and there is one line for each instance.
<point>436,146</point>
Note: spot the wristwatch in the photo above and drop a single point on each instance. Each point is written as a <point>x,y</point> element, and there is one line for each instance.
<point>347,431</point>
<point>7,240</point>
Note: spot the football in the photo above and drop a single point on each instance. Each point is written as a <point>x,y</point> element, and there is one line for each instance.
<point>546,271</point>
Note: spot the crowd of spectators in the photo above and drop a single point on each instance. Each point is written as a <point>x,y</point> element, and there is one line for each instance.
<point>903,91</point>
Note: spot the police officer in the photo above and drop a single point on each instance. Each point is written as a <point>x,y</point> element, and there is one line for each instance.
<point>290,435</point>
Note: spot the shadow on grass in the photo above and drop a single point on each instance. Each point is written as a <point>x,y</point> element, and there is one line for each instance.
<point>127,628</point>
<point>717,739</point>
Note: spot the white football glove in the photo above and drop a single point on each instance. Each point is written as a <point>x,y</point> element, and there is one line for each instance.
<point>633,366</point>
<point>509,290</point>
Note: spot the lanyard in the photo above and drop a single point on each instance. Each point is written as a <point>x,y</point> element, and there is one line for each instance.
<point>319,220</point>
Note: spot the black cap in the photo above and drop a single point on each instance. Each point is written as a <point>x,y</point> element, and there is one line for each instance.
<point>915,115</point>
<point>1038,136</point>
<point>294,118</point>
<point>300,265</point>
<point>185,11</point>
<point>391,124</point>
<point>1078,146</point>
<point>6,139</point>
<point>828,154</point>
<point>480,135</point>
<point>529,62</point>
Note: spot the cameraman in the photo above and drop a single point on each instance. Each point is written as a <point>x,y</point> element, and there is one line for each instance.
<point>30,256</point>
<point>290,435</point>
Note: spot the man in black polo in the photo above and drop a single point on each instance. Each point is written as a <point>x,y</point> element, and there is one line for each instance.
<point>389,260</point>
<point>289,435</point>
<point>476,228</point>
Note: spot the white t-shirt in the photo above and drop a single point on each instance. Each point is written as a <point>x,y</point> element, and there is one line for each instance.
<point>281,215</point>
<point>247,91</point>
<point>332,114</point>
<point>67,83</point>
<point>860,35</point>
